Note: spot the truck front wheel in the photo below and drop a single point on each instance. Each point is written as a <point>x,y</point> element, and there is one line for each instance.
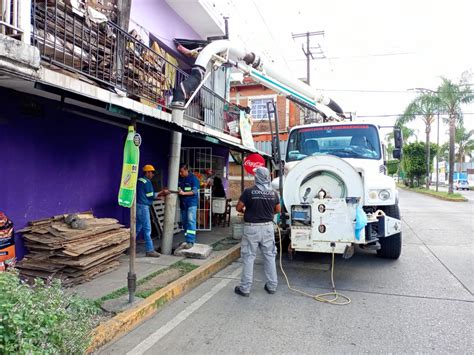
<point>391,247</point>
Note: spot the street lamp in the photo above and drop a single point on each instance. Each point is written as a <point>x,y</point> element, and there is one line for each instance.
<point>424,90</point>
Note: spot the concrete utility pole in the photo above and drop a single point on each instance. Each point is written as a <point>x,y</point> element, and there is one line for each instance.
<point>308,52</point>
<point>173,175</point>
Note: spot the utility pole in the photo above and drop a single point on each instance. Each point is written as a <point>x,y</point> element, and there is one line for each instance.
<point>177,116</point>
<point>437,156</point>
<point>310,52</point>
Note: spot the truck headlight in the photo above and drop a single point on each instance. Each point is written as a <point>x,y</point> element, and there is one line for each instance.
<point>384,195</point>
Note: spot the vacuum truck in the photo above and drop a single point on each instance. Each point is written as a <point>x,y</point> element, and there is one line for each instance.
<point>335,189</point>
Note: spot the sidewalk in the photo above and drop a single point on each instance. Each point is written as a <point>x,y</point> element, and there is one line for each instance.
<point>108,283</point>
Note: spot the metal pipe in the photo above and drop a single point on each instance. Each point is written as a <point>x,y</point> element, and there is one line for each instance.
<point>15,14</point>
<point>437,156</point>
<point>173,174</point>
<point>242,174</point>
<point>132,276</point>
<point>7,11</point>
<point>269,76</point>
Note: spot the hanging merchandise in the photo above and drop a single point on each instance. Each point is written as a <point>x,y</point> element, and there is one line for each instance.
<point>131,159</point>
<point>7,242</point>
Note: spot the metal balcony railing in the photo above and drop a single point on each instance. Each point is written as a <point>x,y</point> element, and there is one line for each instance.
<point>10,17</point>
<point>99,50</point>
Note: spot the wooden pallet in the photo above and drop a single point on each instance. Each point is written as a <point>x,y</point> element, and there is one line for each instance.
<point>158,217</point>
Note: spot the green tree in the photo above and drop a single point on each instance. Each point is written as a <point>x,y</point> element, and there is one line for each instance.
<point>414,162</point>
<point>424,107</point>
<point>451,96</point>
<point>464,140</point>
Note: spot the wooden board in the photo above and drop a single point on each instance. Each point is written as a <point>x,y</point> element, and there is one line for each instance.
<point>73,255</point>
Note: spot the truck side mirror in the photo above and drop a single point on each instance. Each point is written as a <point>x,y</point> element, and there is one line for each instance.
<point>398,138</point>
<point>397,154</point>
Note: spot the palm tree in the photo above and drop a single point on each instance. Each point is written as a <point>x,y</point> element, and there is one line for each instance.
<point>464,140</point>
<point>425,106</point>
<point>451,96</point>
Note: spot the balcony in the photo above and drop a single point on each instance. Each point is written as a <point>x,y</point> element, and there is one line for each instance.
<point>82,43</point>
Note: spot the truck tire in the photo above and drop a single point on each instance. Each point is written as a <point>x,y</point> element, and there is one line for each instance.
<point>391,247</point>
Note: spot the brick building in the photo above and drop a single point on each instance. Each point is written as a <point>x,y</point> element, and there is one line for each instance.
<point>248,93</point>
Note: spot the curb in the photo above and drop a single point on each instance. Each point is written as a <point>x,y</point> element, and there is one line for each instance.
<point>435,196</point>
<point>124,322</point>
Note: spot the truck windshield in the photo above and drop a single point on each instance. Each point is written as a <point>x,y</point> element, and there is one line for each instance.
<point>345,141</point>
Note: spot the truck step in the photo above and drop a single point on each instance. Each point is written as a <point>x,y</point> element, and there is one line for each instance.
<point>373,246</point>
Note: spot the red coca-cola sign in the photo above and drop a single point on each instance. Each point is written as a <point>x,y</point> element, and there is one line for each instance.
<point>253,161</point>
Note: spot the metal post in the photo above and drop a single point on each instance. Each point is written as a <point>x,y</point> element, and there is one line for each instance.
<point>24,19</point>
<point>437,157</point>
<point>132,276</point>
<point>242,174</point>
<point>308,60</point>
<point>271,109</point>
<point>427,128</point>
<point>173,174</point>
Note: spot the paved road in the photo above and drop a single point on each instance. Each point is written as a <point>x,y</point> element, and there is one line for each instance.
<point>421,303</point>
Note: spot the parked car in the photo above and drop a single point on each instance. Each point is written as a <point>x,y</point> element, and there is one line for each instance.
<point>461,184</point>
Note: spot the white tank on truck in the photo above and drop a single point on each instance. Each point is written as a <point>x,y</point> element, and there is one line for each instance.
<point>335,179</point>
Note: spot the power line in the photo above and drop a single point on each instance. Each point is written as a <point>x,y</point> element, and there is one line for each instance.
<point>401,114</point>
<point>375,91</point>
<point>269,31</point>
<point>360,56</point>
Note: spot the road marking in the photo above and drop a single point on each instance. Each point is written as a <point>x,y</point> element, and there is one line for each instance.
<point>182,316</point>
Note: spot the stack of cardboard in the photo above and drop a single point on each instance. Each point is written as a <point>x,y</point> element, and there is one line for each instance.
<point>74,248</point>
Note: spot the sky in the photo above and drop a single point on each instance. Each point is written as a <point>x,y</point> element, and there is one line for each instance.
<point>376,51</point>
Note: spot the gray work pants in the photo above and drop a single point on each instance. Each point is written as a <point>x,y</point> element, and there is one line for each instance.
<point>258,235</point>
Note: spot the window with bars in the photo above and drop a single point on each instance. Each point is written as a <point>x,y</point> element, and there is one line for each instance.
<point>259,108</point>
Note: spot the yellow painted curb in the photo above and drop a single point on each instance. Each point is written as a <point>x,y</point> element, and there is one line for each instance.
<point>124,322</point>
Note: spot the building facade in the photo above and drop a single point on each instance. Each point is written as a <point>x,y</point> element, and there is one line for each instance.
<point>75,75</point>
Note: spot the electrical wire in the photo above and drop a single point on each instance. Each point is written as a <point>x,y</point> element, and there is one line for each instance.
<point>334,297</point>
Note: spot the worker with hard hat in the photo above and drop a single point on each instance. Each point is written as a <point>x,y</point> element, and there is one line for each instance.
<point>145,197</point>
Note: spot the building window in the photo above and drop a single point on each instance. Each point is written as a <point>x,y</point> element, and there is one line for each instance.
<point>259,108</point>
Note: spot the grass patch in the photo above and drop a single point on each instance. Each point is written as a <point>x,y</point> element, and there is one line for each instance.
<point>147,293</point>
<point>112,295</point>
<point>443,195</point>
<point>182,266</point>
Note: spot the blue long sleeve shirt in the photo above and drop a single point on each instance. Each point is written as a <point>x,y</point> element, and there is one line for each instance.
<point>145,191</point>
<point>187,184</point>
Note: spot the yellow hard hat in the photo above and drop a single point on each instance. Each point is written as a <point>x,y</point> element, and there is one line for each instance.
<point>148,167</point>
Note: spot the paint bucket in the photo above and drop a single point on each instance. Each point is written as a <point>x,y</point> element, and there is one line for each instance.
<point>237,231</point>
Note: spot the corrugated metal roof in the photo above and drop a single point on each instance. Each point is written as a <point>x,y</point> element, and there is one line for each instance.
<point>266,147</point>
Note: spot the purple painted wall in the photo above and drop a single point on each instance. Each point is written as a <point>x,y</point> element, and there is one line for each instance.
<point>161,20</point>
<point>55,162</point>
